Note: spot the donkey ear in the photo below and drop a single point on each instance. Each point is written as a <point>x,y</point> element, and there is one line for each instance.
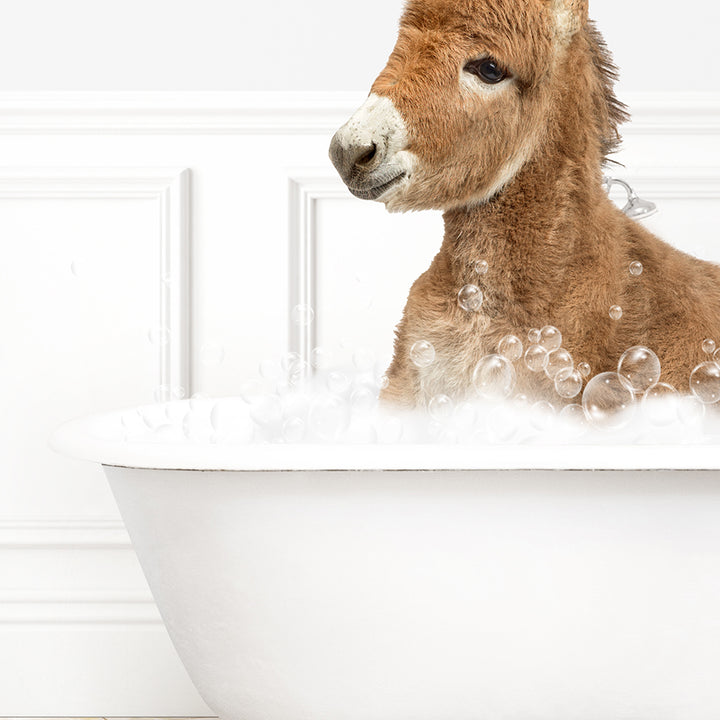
<point>570,16</point>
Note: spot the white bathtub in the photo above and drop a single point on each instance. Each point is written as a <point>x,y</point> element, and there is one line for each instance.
<point>429,583</point>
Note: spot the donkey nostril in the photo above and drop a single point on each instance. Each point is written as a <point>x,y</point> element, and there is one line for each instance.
<point>368,156</point>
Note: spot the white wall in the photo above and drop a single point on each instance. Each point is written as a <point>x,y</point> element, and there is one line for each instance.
<point>290,45</point>
<point>91,190</point>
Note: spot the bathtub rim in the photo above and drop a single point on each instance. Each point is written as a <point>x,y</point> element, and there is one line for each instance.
<point>78,438</point>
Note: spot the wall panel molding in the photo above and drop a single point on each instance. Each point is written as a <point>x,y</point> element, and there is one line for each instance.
<point>53,541</point>
<point>170,189</point>
<point>91,607</point>
<point>55,605</point>
<point>673,183</point>
<point>305,190</point>
<point>72,533</point>
<point>263,113</point>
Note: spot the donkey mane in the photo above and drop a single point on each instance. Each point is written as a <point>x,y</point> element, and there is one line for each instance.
<point>610,112</point>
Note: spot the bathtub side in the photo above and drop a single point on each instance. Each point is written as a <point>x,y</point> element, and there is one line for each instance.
<point>464,594</point>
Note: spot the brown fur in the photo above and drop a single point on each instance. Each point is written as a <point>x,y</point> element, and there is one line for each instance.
<point>558,249</point>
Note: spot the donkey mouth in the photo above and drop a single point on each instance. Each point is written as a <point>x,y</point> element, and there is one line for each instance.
<point>375,192</point>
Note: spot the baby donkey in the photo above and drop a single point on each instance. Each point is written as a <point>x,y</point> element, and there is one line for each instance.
<point>501,114</point>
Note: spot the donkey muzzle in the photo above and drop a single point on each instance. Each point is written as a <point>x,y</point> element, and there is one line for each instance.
<point>364,148</point>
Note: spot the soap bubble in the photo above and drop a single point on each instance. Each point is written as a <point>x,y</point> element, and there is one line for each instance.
<point>360,432</point>
<point>383,382</point>
<point>465,414</point>
<point>440,433</point>
<point>293,430</point>
<point>194,427</point>
<point>166,433</point>
<point>690,410</point>
<point>363,358</point>
<point>536,358</point>
<point>175,411</point>
<point>573,419</point>
<point>77,268</point>
<point>289,360</point>
<point>212,354</point>
<point>422,353</point>
<point>337,382</point>
<point>502,424</point>
<point>440,407</point>
<point>659,390</point>
<point>299,372</point>
<point>363,399</point>
<point>364,295</point>
<point>558,360</point>
<point>550,338</point>
<point>534,336</point>
<point>584,369</point>
<point>161,393</point>
<point>511,347</point>
<point>470,298</point>
<point>494,377</point>
<point>293,369</point>
<point>265,412</point>
<point>382,364</point>
<point>615,312</point>
<point>705,382</point>
<point>716,356</point>
<point>152,415</point>
<point>250,390</point>
<point>229,418</point>
<point>542,415</point>
<point>363,298</point>
<point>283,389</point>
<point>270,369</point>
<point>639,368</point>
<point>608,401</point>
<point>660,404</point>
<point>302,315</point>
<point>389,429</point>
<point>708,346</point>
<point>296,404</point>
<point>321,358</point>
<point>481,267</point>
<point>568,382</point>
<point>328,417</point>
<point>197,400</point>
<point>636,268</point>
<point>159,336</point>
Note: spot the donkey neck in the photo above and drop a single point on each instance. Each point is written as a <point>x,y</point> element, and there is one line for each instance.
<point>529,235</point>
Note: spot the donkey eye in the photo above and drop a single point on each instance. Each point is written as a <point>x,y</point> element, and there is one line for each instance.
<point>488,70</point>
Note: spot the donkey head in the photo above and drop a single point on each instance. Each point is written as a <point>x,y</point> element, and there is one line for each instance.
<point>463,103</point>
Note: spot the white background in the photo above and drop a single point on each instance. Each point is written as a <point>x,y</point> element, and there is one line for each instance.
<point>290,45</point>
<point>80,278</point>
